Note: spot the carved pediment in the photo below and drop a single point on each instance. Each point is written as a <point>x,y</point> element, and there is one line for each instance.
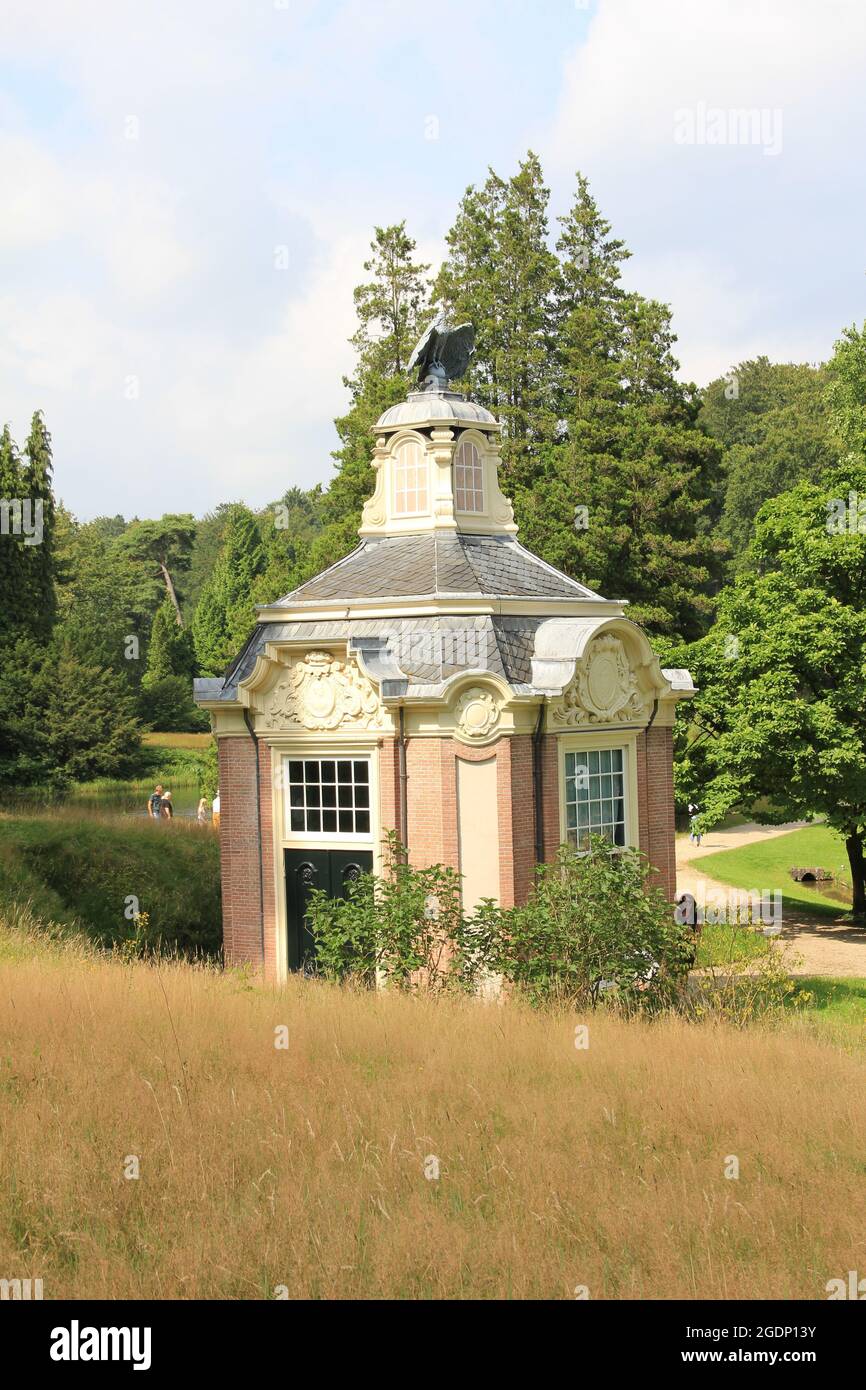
<point>604,689</point>
<point>321,691</point>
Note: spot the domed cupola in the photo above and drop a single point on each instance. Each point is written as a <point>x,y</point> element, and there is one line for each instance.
<point>437,453</point>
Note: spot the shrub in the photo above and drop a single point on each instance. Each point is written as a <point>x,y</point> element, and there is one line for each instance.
<point>405,927</point>
<point>594,923</point>
<point>166,704</point>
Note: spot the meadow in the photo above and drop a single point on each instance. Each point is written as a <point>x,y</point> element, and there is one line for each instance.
<point>406,1147</point>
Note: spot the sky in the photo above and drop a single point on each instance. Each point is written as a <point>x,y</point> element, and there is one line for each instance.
<point>189,190</point>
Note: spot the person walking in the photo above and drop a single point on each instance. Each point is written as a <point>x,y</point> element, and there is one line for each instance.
<point>215,811</point>
<point>695,833</point>
<point>167,806</point>
<point>154,803</point>
<point>201,813</point>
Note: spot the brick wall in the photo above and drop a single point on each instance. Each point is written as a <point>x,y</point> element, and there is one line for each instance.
<point>655,781</point>
<point>239,851</point>
<point>433,837</point>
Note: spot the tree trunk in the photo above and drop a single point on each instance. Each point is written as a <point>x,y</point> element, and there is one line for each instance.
<point>171,593</point>
<point>854,846</point>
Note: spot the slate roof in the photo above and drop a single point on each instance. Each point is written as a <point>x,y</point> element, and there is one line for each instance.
<point>437,565</point>
<point>428,650</point>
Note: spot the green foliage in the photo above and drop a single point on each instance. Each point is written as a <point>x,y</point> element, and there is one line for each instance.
<point>500,274</point>
<point>401,927</point>
<point>847,392</point>
<point>225,615</point>
<point>27,560</point>
<point>392,308</point>
<point>780,712</point>
<point>80,873</point>
<point>583,377</point>
<point>745,989</point>
<point>166,704</point>
<point>772,421</point>
<point>289,528</point>
<point>163,548</point>
<point>62,720</point>
<point>593,921</point>
<point>170,651</point>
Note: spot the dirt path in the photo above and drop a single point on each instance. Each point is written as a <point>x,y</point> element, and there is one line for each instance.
<point>826,947</point>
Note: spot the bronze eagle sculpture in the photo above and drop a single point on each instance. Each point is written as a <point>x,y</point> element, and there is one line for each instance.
<point>443,353</point>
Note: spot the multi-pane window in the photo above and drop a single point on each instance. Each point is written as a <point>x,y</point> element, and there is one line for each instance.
<point>410,480</point>
<point>328,796</point>
<point>468,479</point>
<point>595,796</point>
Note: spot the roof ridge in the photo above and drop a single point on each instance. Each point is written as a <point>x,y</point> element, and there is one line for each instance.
<point>560,574</point>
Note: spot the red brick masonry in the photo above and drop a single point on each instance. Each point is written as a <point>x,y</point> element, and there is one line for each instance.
<point>433,836</point>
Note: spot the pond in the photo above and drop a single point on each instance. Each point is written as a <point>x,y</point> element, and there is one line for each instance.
<point>124,799</point>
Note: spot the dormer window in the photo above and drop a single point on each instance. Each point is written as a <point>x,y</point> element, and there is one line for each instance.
<point>410,480</point>
<point>468,479</point>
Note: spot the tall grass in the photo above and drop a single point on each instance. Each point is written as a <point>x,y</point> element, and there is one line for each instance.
<point>88,873</point>
<point>304,1167</point>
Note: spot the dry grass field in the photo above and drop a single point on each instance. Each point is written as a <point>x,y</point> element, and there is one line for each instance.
<point>304,1167</point>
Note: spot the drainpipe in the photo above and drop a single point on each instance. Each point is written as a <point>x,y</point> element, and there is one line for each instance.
<point>252,732</point>
<point>645,766</point>
<point>404,784</point>
<point>538,785</point>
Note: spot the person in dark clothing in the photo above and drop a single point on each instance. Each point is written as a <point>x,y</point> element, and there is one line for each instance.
<point>154,804</point>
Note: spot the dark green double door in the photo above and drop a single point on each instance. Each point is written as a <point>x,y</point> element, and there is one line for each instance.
<point>306,869</point>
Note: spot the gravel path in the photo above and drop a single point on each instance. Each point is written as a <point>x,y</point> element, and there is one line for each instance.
<point>825,946</point>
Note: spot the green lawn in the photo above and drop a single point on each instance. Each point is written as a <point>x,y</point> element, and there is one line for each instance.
<point>836,1009</point>
<point>766,866</point>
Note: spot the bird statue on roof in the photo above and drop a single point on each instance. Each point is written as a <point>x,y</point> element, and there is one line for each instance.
<point>443,353</point>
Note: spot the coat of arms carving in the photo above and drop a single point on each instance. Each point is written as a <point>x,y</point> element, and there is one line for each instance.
<point>604,689</point>
<point>322,692</point>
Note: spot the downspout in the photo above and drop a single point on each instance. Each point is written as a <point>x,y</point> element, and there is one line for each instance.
<point>404,784</point>
<point>645,765</point>
<point>538,785</point>
<point>252,732</point>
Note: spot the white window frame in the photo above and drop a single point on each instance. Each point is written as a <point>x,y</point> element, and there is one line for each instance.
<point>626,743</point>
<point>326,839</point>
<point>421,468</point>
<point>478,470</point>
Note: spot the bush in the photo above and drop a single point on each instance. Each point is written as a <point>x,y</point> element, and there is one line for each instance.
<point>592,924</point>
<point>406,927</point>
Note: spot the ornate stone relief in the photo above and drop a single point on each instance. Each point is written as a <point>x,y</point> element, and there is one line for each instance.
<point>604,689</point>
<point>322,692</point>
<point>477,713</point>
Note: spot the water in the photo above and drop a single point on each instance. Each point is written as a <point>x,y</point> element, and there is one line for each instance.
<point>134,803</point>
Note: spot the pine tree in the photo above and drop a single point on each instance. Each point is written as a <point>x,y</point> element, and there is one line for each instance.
<point>501,275</point>
<point>40,557</point>
<point>392,308</point>
<point>13,583</point>
<point>225,615</point>
<point>170,651</point>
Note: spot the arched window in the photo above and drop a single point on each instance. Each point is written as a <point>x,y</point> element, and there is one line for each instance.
<point>468,479</point>
<point>410,480</point>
